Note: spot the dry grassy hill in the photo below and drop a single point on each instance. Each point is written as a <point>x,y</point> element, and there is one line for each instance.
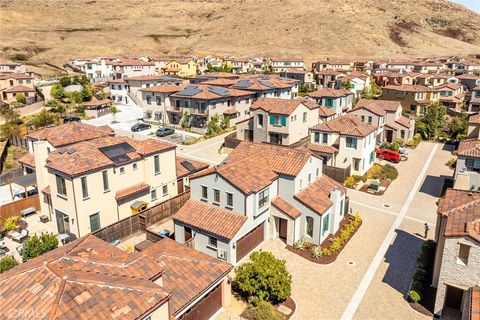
<point>56,30</point>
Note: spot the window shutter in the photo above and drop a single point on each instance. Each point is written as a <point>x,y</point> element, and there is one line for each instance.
<point>284,121</point>
<point>272,119</point>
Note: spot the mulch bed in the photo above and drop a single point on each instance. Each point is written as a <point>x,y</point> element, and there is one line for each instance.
<point>384,183</point>
<point>289,303</point>
<point>305,253</point>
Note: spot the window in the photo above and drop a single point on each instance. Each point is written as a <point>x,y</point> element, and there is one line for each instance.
<point>301,183</point>
<point>61,186</point>
<point>326,224</point>
<point>122,170</point>
<point>158,100</point>
<point>83,180</point>
<point>212,242</point>
<point>278,120</point>
<point>95,222</point>
<point>165,190</point>
<point>135,166</point>
<point>153,195</point>
<point>216,196</point>
<point>260,120</point>
<point>318,170</point>
<point>204,193</point>
<point>472,164</point>
<point>372,157</point>
<point>304,117</point>
<point>229,200</point>
<point>309,178</point>
<point>156,163</point>
<point>341,208</point>
<point>463,253</point>
<point>402,134</point>
<point>149,100</point>
<point>316,137</point>
<point>370,119</point>
<point>356,164</point>
<point>106,187</point>
<point>309,226</point>
<point>263,198</point>
<point>351,142</point>
<point>325,138</point>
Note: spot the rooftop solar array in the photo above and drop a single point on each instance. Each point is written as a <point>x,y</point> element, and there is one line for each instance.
<point>218,91</point>
<point>243,84</point>
<point>118,153</point>
<point>189,91</point>
<point>188,166</point>
<point>267,83</point>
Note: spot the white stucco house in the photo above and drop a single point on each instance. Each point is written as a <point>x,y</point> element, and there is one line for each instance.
<point>261,191</point>
<point>339,100</point>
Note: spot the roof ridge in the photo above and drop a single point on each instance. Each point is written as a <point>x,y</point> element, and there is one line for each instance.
<point>463,206</point>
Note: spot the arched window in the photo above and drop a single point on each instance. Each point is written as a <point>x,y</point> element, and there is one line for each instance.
<point>310,226</point>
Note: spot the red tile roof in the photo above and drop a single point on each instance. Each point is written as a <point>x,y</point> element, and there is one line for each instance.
<point>346,125</point>
<point>286,207</point>
<point>410,88</point>
<point>5,76</point>
<point>70,133</point>
<point>164,88</point>
<point>182,166</point>
<point>322,148</point>
<point>376,110</point>
<point>387,105</point>
<point>469,148</point>
<point>222,82</point>
<point>95,103</point>
<point>131,190</point>
<point>28,159</point>
<point>474,119</point>
<point>316,196</point>
<point>209,92</point>
<point>47,191</point>
<point>326,112</point>
<point>327,92</point>
<point>475,303</point>
<point>188,272</point>
<point>19,88</point>
<point>277,106</point>
<point>211,219</point>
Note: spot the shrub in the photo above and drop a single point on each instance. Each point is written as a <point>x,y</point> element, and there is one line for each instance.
<point>375,172</point>
<point>359,178</point>
<point>316,252</point>
<point>20,97</point>
<point>350,182</point>
<point>451,163</point>
<point>326,252</point>
<point>11,223</point>
<point>263,278</point>
<point>390,172</point>
<point>418,286</point>
<point>38,245</point>
<point>395,146</point>
<point>414,296</point>
<point>7,263</point>
<point>65,81</point>
<point>262,311</point>
<point>128,248</point>
<point>299,244</point>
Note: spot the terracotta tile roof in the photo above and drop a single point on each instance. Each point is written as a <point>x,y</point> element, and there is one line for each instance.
<point>188,272</point>
<point>218,75</point>
<point>28,159</point>
<point>474,303</point>
<point>469,148</point>
<point>404,121</point>
<point>122,80</point>
<point>83,279</point>
<point>310,104</point>
<point>70,133</point>
<point>221,82</point>
<point>131,62</point>
<point>327,92</point>
<point>326,112</point>
<point>131,190</point>
<point>410,88</point>
<point>276,106</point>
<point>477,88</point>
<point>286,207</point>
<point>346,125</point>
<point>316,196</point>
<point>19,88</point>
<point>281,160</point>
<point>214,220</point>
<point>95,103</point>
<point>262,83</point>
<point>146,78</point>
<point>387,105</point>
<point>210,92</point>
<point>322,148</point>
<point>230,111</point>
<point>86,156</point>
<point>47,191</point>
<point>164,88</point>
<point>183,166</point>
<point>462,209</point>
<point>474,119</point>
<point>5,76</point>
<point>375,109</point>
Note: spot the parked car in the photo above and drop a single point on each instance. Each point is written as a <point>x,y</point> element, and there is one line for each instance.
<point>71,119</point>
<point>140,127</point>
<point>389,155</point>
<point>162,132</point>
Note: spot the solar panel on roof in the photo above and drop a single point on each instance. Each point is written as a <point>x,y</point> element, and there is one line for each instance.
<point>243,84</point>
<point>267,83</point>
<point>188,166</point>
<point>189,91</point>
<point>62,150</point>
<point>71,150</point>
<point>219,91</point>
<point>118,153</point>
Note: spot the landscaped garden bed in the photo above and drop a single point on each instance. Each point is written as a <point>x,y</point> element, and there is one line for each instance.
<point>376,181</point>
<point>421,295</point>
<point>331,248</point>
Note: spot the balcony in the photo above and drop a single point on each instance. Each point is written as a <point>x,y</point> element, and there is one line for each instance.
<point>175,110</point>
<point>199,112</point>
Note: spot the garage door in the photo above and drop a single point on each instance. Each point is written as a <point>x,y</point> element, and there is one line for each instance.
<point>206,307</point>
<point>249,241</point>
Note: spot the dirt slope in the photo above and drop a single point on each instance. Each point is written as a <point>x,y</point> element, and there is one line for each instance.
<point>56,30</point>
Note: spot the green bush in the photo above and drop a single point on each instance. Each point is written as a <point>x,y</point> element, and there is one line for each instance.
<point>263,278</point>
<point>20,97</point>
<point>414,296</point>
<point>262,311</point>
<point>299,244</point>
<point>11,223</point>
<point>390,172</point>
<point>65,81</point>
<point>7,263</point>
<point>316,252</point>
<point>418,286</point>
<point>451,163</point>
<point>359,178</point>
<point>38,245</point>
<point>350,182</point>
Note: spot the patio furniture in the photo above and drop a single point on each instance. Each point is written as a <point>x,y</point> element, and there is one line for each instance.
<point>30,210</point>
<point>375,185</point>
<point>164,233</point>
<point>44,218</point>
<point>20,236</point>
<point>62,237</point>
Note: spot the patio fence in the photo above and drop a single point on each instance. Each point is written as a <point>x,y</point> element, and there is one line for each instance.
<point>337,174</point>
<point>3,153</point>
<point>18,142</point>
<point>14,208</point>
<point>231,141</point>
<point>141,221</point>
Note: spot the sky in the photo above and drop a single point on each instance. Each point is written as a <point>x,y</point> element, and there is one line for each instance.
<point>473,5</point>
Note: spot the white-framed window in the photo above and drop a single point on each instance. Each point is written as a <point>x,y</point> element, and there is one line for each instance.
<point>106,186</point>
<point>165,190</point>
<point>463,254</point>
<point>83,181</point>
<point>262,198</point>
<point>204,193</point>
<point>229,199</point>
<point>309,226</point>
<point>212,242</point>
<point>153,195</point>
<point>156,163</point>
<point>122,170</point>
<point>61,185</point>
<point>135,166</point>
<point>304,117</point>
<point>216,196</point>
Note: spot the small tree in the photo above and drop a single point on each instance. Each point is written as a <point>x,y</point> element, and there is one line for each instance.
<point>114,110</point>
<point>65,81</point>
<point>7,263</point>
<point>225,122</point>
<point>43,119</point>
<point>434,119</point>
<point>186,120</point>
<point>38,245</point>
<point>86,94</point>
<point>264,278</point>
<point>20,97</point>
<point>213,126</point>
<point>58,92</point>
<point>347,85</point>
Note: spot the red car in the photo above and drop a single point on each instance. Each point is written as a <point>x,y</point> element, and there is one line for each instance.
<point>389,155</point>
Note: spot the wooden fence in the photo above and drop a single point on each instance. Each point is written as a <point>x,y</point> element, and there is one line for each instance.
<point>231,141</point>
<point>141,221</point>
<point>14,208</point>
<point>337,174</point>
<point>19,142</point>
<point>3,153</point>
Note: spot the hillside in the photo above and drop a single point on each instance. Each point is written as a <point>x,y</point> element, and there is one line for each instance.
<point>56,30</point>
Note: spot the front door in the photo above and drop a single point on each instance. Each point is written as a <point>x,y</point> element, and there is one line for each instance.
<point>282,228</point>
<point>389,135</point>
<point>180,186</point>
<point>187,233</point>
<point>63,222</point>
<point>454,298</point>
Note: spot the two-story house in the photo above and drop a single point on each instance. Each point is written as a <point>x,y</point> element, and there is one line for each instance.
<point>306,78</point>
<point>356,80</point>
<point>97,182</point>
<point>10,66</point>
<point>12,84</point>
<point>339,100</point>
<point>394,78</point>
<point>278,65</point>
<point>265,86</point>
<point>327,78</point>
<point>261,191</point>
<point>387,116</point>
<point>279,121</point>
<point>127,68</point>
<point>332,64</point>
<point>452,96</point>
<point>345,142</point>
<point>414,98</point>
<point>457,256</point>
<point>467,169</point>
<point>468,81</point>
<point>184,68</point>
<point>474,104</point>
